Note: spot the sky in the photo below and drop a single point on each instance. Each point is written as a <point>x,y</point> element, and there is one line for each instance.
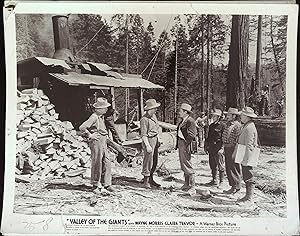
<point>160,22</point>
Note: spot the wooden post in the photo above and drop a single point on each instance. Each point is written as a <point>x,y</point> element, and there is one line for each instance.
<point>176,86</point>
<point>113,102</point>
<point>140,113</point>
<point>127,102</point>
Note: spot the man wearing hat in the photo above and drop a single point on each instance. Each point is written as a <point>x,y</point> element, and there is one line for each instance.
<point>213,145</point>
<point>186,133</point>
<point>109,120</point>
<point>95,129</point>
<point>248,137</point>
<point>149,133</point>
<point>229,138</point>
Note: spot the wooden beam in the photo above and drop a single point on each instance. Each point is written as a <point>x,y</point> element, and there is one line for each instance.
<point>140,103</point>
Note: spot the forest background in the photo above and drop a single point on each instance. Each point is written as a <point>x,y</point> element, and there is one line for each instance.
<point>201,43</point>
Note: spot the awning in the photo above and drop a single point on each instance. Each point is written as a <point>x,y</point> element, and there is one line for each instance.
<point>129,81</point>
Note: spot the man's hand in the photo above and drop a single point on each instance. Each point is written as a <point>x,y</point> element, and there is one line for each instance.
<point>148,149</point>
<point>94,136</point>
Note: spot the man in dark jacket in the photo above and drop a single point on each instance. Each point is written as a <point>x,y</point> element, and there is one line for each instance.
<point>186,133</point>
<point>213,145</point>
<point>109,120</point>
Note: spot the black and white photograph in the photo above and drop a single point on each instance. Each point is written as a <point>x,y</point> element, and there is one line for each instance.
<point>174,116</point>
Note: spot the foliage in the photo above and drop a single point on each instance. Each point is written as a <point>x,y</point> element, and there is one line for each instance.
<point>154,56</point>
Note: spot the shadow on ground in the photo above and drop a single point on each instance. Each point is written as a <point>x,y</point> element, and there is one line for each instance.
<point>66,186</point>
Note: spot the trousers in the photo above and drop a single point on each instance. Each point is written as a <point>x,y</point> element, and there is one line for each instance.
<point>216,162</point>
<point>248,174</point>
<point>100,164</point>
<point>185,157</point>
<point>150,159</point>
<point>233,170</point>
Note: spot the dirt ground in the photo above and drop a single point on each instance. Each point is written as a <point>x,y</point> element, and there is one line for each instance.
<point>74,195</point>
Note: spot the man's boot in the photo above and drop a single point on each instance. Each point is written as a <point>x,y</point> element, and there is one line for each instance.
<point>214,181</point>
<point>153,183</point>
<point>146,183</point>
<point>192,190</point>
<point>230,191</point>
<point>186,185</point>
<point>221,177</point>
<point>249,193</point>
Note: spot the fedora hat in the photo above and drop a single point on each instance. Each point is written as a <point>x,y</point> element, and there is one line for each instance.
<point>186,107</point>
<point>217,112</point>
<point>234,111</point>
<point>248,111</point>
<point>151,103</point>
<point>101,103</point>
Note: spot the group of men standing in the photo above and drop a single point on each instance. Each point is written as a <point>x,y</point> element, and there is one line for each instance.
<point>220,144</point>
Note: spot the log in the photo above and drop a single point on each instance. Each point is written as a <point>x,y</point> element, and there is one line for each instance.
<point>22,178</point>
<point>43,141</point>
<point>271,132</point>
<point>77,172</point>
<point>32,156</point>
<point>54,165</point>
<point>21,134</point>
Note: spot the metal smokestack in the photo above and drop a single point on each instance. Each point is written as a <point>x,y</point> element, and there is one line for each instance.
<point>62,38</point>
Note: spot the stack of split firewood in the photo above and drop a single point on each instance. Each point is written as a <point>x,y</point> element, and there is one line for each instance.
<point>47,146</point>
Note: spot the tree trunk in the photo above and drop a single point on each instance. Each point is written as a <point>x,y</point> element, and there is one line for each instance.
<point>211,70</point>
<point>202,65</point>
<point>258,57</point>
<point>207,66</point>
<point>238,62</point>
<point>176,85</point>
<point>275,55</point>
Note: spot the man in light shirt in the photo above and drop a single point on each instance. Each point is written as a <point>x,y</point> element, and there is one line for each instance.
<point>149,133</point>
<point>95,129</point>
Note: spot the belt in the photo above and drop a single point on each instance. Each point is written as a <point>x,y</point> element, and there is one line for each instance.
<point>153,136</point>
<point>229,145</point>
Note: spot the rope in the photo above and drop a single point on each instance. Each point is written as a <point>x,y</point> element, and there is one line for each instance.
<point>90,39</point>
<point>162,44</point>
<point>152,66</point>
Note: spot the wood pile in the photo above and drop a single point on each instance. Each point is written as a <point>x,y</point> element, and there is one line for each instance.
<point>47,146</point>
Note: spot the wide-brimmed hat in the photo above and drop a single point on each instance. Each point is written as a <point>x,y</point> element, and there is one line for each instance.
<point>217,112</point>
<point>151,103</point>
<point>186,107</point>
<point>101,103</point>
<point>248,111</point>
<point>232,110</point>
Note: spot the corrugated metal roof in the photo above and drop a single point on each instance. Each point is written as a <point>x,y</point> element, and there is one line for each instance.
<point>100,66</point>
<point>50,61</point>
<point>76,79</point>
<point>114,74</point>
<point>86,67</point>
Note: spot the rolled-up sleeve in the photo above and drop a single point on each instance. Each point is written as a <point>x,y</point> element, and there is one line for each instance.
<point>88,123</point>
<point>143,124</point>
